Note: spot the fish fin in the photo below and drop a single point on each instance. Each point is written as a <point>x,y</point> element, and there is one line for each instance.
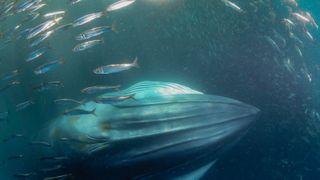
<point>135,63</point>
<point>93,112</point>
<point>132,97</point>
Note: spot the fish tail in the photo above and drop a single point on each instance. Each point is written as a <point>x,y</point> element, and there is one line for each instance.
<point>135,63</point>
<point>93,112</point>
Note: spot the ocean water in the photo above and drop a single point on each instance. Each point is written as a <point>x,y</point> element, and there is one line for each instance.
<point>251,55</point>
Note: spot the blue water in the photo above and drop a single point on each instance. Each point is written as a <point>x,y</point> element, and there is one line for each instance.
<point>198,43</point>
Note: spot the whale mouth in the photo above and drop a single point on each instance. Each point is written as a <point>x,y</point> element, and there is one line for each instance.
<point>165,122</point>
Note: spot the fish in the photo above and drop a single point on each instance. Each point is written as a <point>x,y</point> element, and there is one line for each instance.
<point>11,84</point>
<point>93,32</point>
<point>44,86</point>
<point>54,158</point>
<point>64,176</point>
<point>113,99</point>
<point>88,44</point>
<point>49,169</point>
<point>4,115</point>
<point>300,17</point>
<point>26,5</point>
<point>37,7</point>
<point>76,112</point>
<point>119,5</point>
<point>98,89</point>
<point>67,102</point>
<point>10,75</point>
<point>24,175</point>
<point>274,44</point>
<point>19,156</point>
<point>54,14</point>
<point>298,51</point>
<point>64,27</point>
<point>41,38</point>
<point>115,68</point>
<point>24,105</point>
<point>166,121</point>
<point>72,2</point>
<point>40,143</point>
<point>36,54</point>
<point>87,18</point>
<point>50,66</point>
<point>43,27</point>
<point>232,5</point>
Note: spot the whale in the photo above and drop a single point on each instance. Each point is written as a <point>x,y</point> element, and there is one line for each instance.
<point>166,131</point>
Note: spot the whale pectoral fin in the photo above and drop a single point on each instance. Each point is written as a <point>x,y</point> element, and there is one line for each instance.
<point>196,174</point>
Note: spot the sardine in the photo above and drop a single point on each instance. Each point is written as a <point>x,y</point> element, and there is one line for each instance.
<point>43,27</point>
<point>87,18</point>
<point>76,112</point>
<point>40,143</point>
<point>67,102</point>
<point>36,54</point>
<point>112,99</point>
<point>99,89</point>
<point>93,32</point>
<point>119,4</point>
<point>232,5</point>
<point>41,38</point>
<point>9,76</point>
<point>54,14</point>
<point>50,66</point>
<point>24,105</point>
<point>48,85</point>
<point>115,68</point>
<point>88,44</point>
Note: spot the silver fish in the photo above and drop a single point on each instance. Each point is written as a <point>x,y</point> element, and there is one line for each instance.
<point>27,5</point>
<point>19,156</point>
<point>41,38</point>
<point>24,175</point>
<point>50,66</point>
<point>43,27</point>
<point>11,84</point>
<point>67,102</point>
<point>115,68</point>
<point>54,14</point>
<point>119,4</point>
<point>40,143</point>
<point>24,105</point>
<point>113,99</point>
<point>48,85</point>
<point>64,176</point>
<point>10,75</point>
<point>93,32</point>
<point>76,112</point>
<point>88,44</point>
<point>232,5</point>
<point>98,89</point>
<point>87,18</point>
<point>4,115</point>
<point>36,54</point>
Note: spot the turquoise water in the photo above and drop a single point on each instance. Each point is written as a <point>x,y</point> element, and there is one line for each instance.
<point>202,44</point>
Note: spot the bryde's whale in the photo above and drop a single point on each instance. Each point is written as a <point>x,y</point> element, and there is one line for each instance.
<point>166,131</point>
